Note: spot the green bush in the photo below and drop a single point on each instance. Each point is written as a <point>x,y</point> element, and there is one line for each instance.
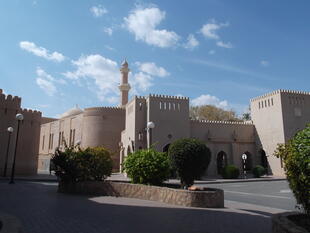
<point>147,167</point>
<point>230,172</point>
<point>76,164</point>
<point>258,171</point>
<point>190,158</point>
<point>296,158</point>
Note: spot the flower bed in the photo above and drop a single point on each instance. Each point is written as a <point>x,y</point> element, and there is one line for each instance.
<point>210,198</point>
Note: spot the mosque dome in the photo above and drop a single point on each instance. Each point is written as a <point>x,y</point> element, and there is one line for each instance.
<point>72,112</point>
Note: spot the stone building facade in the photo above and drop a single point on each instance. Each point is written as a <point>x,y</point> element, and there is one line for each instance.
<point>276,117</point>
<point>28,139</point>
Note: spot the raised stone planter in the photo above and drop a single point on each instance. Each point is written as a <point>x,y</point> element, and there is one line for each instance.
<point>210,198</point>
<point>281,224</point>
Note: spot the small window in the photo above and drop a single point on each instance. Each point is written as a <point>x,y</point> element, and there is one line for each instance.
<point>265,103</point>
<point>165,105</point>
<point>272,101</point>
<point>160,105</point>
<point>173,106</point>
<point>258,105</point>
<point>43,139</point>
<point>262,104</point>
<point>268,102</point>
<point>140,106</point>
<point>169,106</point>
<point>179,107</point>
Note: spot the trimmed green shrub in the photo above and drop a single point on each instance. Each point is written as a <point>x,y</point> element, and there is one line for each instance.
<point>296,158</point>
<point>76,164</point>
<point>230,172</point>
<point>190,158</point>
<point>147,167</point>
<point>258,171</point>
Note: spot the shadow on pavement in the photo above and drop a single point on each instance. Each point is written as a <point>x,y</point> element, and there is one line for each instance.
<point>42,209</point>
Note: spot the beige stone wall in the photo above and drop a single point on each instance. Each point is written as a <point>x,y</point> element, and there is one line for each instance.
<point>277,117</point>
<point>233,138</point>
<point>28,141</point>
<point>266,113</point>
<point>171,117</point>
<point>103,127</point>
<point>94,127</point>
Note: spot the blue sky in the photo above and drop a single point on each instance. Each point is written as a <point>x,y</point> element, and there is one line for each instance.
<point>55,54</point>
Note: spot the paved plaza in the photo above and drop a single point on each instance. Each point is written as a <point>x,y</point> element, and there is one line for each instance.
<point>41,209</point>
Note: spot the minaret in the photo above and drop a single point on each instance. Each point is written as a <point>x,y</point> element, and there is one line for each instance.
<point>124,87</point>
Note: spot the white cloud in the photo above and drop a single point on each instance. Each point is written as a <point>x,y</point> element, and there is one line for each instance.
<point>103,71</point>
<point>209,30</point>
<point>47,86</point>
<point>265,63</point>
<point>141,81</point>
<point>108,31</point>
<point>41,52</point>
<point>47,82</point>
<point>227,45</point>
<point>109,48</point>
<point>152,69</point>
<point>143,22</point>
<point>209,100</point>
<point>211,52</point>
<point>191,43</point>
<point>98,11</point>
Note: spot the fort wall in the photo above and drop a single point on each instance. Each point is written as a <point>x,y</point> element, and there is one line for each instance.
<point>28,141</point>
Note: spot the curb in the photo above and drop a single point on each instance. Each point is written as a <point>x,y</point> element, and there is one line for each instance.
<point>172,182</point>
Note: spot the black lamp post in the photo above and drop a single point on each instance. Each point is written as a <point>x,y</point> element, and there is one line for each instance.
<point>244,158</point>
<point>19,118</point>
<point>10,131</point>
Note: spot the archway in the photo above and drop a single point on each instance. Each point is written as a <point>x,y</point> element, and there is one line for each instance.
<point>248,161</point>
<point>263,158</point>
<point>166,148</point>
<point>221,161</point>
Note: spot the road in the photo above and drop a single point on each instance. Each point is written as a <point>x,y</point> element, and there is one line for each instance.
<point>274,194</point>
<point>41,209</point>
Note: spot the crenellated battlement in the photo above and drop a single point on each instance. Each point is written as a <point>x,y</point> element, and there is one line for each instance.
<point>31,115</point>
<point>223,122</point>
<point>9,101</point>
<point>104,109</point>
<point>278,92</point>
<point>168,97</point>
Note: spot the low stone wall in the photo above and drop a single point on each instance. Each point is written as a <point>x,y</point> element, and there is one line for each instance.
<point>281,224</point>
<point>211,198</point>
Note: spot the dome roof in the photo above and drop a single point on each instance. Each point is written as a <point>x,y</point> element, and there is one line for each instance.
<point>72,112</point>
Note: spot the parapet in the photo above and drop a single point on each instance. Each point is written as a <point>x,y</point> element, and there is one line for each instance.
<point>9,101</point>
<point>31,115</point>
<point>103,110</point>
<point>168,97</point>
<point>223,122</point>
<point>278,92</point>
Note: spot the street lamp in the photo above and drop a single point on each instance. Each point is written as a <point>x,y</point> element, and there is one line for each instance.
<point>10,131</point>
<point>244,158</point>
<point>19,118</point>
<point>150,125</point>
